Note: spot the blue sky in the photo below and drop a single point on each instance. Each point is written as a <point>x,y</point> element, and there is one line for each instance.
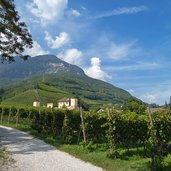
<point>126,43</point>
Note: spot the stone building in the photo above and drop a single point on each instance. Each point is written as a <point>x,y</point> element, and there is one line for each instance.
<point>69,103</point>
<point>36,104</point>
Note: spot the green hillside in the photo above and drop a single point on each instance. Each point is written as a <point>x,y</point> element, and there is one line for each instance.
<point>88,88</point>
<point>24,98</point>
<point>52,87</point>
<point>43,93</point>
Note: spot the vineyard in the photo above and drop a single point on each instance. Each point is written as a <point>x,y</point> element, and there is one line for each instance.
<point>111,130</point>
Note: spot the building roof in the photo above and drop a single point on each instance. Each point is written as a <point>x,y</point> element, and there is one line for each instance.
<point>64,100</point>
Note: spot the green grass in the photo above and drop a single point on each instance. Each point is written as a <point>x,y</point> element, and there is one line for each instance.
<point>99,158</point>
<point>132,160</point>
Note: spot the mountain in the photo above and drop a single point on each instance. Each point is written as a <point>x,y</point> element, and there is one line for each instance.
<point>47,78</point>
<point>44,64</point>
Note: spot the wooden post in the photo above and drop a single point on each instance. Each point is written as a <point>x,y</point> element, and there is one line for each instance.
<point>108,113</point>
<point>17,117</point>
<point>9,116</point>
<point>83,126</point>
<point>29,115</point>
<point>30,118</point>
<point>2,113</point>
<point>170,106</point>
<point>150,117</point>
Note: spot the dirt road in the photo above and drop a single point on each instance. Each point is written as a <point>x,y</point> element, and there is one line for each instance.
<point>32,154</point>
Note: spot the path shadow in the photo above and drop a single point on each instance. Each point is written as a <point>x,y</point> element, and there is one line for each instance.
<point>21,143</point>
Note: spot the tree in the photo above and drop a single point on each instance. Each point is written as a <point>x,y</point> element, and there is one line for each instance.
<point>14,35</point>
<point>165,105</point>
<point>134,105</point>
<point>83,104</point>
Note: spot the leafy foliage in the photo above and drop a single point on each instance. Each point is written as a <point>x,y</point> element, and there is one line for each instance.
<point>14,35</point>
<point>157,143</point>
<point>115,130</point>
<point>112,136</point>
<point>134,105</point>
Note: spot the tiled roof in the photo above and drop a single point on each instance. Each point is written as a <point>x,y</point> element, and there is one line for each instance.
<point>64,100</point>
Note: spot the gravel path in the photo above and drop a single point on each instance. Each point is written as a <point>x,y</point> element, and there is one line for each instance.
<point>31,154</point>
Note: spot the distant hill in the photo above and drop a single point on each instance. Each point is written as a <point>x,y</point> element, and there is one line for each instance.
<point>44,64</point>
<point>47,79</point>
<point>52,87</point>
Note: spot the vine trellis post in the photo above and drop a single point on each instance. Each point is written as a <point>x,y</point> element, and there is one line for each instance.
<point>9,116</point>
<point>83,125</point>
<point>2,113</point>
<point>17,116</point>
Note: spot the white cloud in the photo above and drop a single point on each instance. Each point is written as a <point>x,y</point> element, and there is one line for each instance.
<point>131,91</point>
<point>35,50</point>
<point>136,67</point>
<point>149,98</point>
<point>120,51</point>
<point>72,56</point>
<point>48,10</point>
<point>95,70</point>
<point>59,41</point>
<point>121,11</point>
<point>75,13</point>
<point>83,8</point>
<point>156,93</point>
<point>108,48</point>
